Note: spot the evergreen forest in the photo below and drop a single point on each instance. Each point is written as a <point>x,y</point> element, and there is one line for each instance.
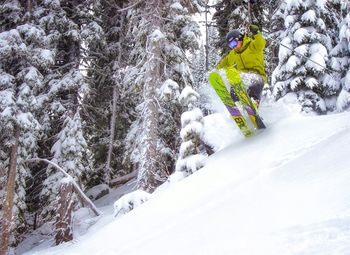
<point>94,91</point>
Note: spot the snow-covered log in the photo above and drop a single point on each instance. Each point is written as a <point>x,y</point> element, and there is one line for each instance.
<point>123,179</point>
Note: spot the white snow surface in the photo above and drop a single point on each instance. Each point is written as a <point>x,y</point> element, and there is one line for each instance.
<point>284,191</point>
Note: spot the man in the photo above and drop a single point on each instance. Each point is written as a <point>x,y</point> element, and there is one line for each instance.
<point>248,58</point>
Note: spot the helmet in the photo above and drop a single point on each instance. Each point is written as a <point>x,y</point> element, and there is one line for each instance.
<point>234,34</point>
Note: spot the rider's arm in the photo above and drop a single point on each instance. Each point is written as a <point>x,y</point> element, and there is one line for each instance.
<point>223,63</point>
<point>258,42</point>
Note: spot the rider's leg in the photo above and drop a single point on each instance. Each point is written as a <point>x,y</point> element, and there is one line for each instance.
<point>254,84</point>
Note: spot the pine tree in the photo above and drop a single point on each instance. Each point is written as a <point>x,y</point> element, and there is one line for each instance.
<point>192,152</point>
<point>230,15</point>
<point>160,45</point>
<point>237,14</point>
<point>69,153</point>
<point>275,28</point>
<point>181,38</point>
<point>342,63</point>
<point>110,104</point>
<point>200,76</point>
<point>303,57</point>
<point>68,24</point>
<point>24,60</point>
<point>213,52</point>
<point>334,17</point>
<point>198,64</point>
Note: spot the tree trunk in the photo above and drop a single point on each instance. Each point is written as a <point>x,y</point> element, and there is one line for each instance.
<point>111,139</point>
<point>64,218</point>
<point>206,37</point>
<point>114,105</point>
<point>9,197</point>
<point>147,178</point>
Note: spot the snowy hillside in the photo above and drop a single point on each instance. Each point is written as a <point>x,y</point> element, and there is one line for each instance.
<point>284,191</point>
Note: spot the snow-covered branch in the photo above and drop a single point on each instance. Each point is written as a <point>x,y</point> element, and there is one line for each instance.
<point>76,187</point>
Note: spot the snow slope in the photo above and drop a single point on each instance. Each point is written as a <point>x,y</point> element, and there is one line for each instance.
<point>285,191</point>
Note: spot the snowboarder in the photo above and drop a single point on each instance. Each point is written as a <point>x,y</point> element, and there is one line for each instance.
<point>248,58</point>
<point>243,69</point>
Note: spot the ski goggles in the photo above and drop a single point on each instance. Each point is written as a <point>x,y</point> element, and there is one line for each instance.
<point>232,43</point>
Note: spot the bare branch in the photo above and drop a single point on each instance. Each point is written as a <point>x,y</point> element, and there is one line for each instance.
<point>129,7</point>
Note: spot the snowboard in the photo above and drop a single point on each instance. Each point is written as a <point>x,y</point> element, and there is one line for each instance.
<point>241,92</point>
<point>218,84</point>
<point>235,108</point>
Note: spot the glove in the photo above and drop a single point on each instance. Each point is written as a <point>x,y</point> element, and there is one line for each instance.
<point>254,29</point>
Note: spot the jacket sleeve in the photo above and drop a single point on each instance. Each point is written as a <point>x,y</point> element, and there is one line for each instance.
<point>223,63</point>
<point>258,42</point>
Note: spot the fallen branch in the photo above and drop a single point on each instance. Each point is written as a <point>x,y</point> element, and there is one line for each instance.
<point>76,188</point>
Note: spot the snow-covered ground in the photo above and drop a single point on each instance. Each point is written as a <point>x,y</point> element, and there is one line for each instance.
<point>285,191</point>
